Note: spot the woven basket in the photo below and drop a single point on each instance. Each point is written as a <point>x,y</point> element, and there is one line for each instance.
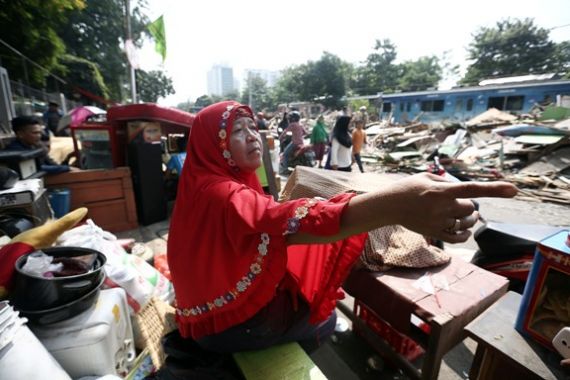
<point>155,320</point>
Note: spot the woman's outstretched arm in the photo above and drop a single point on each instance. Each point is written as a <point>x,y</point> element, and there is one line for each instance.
<point>424,203</point>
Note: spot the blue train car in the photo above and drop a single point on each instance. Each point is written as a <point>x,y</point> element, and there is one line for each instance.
<point>461,104</point>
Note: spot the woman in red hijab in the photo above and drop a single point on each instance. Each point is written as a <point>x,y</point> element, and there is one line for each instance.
<point>249,272</point>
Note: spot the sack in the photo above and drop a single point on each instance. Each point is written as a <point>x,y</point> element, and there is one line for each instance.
<point>386,247</point>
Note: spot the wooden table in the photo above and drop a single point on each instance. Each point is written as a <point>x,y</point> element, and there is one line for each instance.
<point>502,352</point>
<point>393,296</point>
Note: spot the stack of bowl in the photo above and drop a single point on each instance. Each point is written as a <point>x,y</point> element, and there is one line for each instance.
<point>45,300</point>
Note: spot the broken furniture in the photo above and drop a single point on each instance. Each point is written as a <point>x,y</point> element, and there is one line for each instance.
<point>503,352</point>
<point>108,194</point>
<point>394,297</point>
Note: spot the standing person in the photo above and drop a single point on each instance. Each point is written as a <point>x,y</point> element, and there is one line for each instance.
<point>358,140</point>
<point>319,139</point>
<point>260,120</point>
<point>361,115</point>
<point>249,272</point>
<point>284,123</point>
<point>52,117</point>
<point>297,132</point>
<point>340,155</point>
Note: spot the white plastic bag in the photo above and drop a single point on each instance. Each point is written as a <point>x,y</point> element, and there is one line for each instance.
<point>39,264</point>
<point>139,279</point>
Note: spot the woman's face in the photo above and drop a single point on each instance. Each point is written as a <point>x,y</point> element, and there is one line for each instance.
<point>245,144</point>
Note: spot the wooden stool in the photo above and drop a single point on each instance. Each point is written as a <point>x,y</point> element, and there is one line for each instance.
<point>502,352</point>
<point>394,298</point>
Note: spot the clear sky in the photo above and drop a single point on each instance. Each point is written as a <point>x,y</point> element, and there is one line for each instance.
<point>272,35</point>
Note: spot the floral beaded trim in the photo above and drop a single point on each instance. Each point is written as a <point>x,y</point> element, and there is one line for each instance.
<point>223,135</point>
<point>240,287</point>
<point>294,223</point>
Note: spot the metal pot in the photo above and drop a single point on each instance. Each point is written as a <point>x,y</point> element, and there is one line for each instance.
<point>69,310</point>
<point>33,293</point>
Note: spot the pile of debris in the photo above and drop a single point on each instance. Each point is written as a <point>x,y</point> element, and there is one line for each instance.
<point>531,151</point>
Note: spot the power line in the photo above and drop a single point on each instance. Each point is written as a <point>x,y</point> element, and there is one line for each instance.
<point>560,26</point>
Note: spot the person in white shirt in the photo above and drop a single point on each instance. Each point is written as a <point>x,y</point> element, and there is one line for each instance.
<point>341,147</point>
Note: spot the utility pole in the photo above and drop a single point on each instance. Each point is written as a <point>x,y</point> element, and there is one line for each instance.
<point>249,89</point>
<point>129,38</point>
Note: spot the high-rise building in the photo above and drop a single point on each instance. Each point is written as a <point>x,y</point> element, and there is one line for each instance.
<point>220,80</point>
<point>270,77</point>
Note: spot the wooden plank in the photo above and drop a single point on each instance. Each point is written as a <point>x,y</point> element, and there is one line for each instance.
<point>286,361</point>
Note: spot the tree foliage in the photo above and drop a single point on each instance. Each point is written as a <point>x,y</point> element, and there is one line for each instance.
<point>379,72</point>
<point>96,33</point>
<point>153,85</point>
<point>261,97</point>
<point>31,26</point>
<point>87,73</point>
<point>324,80</point>
<point>420,74</point>
<point>512,47</point>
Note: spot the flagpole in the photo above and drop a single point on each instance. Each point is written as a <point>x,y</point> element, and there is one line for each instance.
<point>131,68</point>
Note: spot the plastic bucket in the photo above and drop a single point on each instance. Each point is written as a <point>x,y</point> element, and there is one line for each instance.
<point>60,200</point>
<point>19,347</point>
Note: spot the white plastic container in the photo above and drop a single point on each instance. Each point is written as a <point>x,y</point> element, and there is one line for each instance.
<point>96,342</point>
<point>19,348</point>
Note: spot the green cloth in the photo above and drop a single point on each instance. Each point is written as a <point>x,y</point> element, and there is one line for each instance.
<point>284,362</point>
<point>319,134</point>
<point>156,28</point>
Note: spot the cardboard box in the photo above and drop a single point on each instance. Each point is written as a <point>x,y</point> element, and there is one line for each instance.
<point>545,306</point>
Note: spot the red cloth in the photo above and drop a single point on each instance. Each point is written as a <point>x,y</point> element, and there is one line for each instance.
<point>227,249</point>
<point>8,256</point>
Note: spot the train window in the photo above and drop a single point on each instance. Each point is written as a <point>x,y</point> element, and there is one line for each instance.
<point>408,106</point>
<point>514,103</point>
<point>469,106</point>
<point>497,102</point>
<point>438,105</point>
<point>401,106</point>
<point>387,107</point>
<point>427,105</point>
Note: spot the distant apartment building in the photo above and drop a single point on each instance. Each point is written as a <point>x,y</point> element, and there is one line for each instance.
<point>270,77</point>
<point>220,80</point>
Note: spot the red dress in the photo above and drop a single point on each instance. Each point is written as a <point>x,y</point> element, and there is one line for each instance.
<point>227,248</point>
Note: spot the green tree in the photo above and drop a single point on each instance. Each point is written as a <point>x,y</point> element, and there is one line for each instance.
<point>31,27</point>
<point>379,72</point>
<point>563,58</point>
<point>203,101</point>
<point>512,47</point>
<point>78,70</point>
<point>324,81</point>
<point>96,33</point>
<point>261,97</point>
<point>289,87</point>
<point>153,85</point>
<point>420,74</point>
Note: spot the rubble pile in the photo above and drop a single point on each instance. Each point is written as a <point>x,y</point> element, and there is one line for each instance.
<point>531,151</point>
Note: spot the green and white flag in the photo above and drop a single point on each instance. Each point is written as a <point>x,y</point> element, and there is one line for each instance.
<point>156,28</point>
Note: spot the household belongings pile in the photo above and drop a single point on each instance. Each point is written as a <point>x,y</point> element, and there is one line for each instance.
<point>82,307</point>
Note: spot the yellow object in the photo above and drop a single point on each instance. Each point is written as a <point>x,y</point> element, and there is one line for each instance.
<point>45,235</point>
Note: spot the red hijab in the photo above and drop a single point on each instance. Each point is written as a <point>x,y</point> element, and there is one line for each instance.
<point>227,248</point>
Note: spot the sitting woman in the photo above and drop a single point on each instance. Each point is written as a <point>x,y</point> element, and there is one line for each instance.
<point>249,272</point>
